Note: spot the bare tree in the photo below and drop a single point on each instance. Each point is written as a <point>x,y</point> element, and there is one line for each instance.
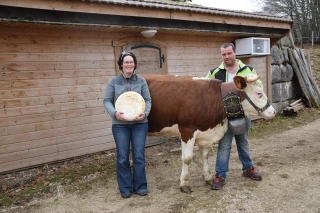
<point>304,13</point>
<point>182,0</point>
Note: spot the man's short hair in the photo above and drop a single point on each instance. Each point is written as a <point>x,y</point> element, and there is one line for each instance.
<point>228,44</point>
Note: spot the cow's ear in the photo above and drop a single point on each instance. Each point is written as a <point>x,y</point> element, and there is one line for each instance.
<point>240,82</point>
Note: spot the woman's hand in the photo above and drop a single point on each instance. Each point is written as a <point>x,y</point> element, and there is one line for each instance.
<point>140,117</point>
<point>119,117</point>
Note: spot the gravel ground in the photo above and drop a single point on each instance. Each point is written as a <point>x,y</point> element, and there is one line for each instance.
<point>289,162</point>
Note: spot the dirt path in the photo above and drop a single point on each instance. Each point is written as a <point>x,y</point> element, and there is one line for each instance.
<point>288,161</point>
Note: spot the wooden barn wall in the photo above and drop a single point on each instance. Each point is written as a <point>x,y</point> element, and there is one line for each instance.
<point>53,82</point>
<point>195,56</point>
<point>52,87</point>
<point>260,64</point>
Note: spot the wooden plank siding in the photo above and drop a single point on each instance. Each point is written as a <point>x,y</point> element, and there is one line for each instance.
<point>194,56</point>
<point>259,64</point>
<point>53,82</point>
<point>52,87</point>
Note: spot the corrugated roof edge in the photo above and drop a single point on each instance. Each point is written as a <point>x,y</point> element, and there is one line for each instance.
<point>193,8</point>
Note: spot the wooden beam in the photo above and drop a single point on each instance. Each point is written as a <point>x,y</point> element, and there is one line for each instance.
<point>232,20</point>
<point>28,15</point>
<point>295,102</point>
<point>135,11</point>
<point>269,77</point>
<point>89,7</point>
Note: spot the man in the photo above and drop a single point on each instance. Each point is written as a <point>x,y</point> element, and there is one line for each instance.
<point>229,68</point>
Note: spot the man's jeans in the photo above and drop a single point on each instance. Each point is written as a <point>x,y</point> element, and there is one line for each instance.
<point>136,134</point>
<point>224,149</point>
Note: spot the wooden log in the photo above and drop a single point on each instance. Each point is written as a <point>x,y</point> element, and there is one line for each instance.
<point>302,84</point>
<point>303,61</point>
<point>315,95</point>
<point>307,66</point>
<point>295,109</point>
<point>309,63</point>
<point>297,105</point>
<point>291,40</point>
<point>296,102</point>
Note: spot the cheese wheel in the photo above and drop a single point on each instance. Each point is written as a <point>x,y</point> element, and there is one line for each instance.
<point>131,104</point>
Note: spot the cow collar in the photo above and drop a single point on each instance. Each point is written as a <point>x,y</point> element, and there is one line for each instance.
<point>259,110</point>
<point>232,98</point>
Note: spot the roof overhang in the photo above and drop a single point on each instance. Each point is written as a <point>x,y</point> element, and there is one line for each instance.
<point>121,18</point>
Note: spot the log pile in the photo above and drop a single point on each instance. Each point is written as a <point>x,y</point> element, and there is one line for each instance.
<point>294,107</point>
<point>310,91</point>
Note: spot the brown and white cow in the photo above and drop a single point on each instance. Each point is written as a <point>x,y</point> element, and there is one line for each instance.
<point>192,108</point>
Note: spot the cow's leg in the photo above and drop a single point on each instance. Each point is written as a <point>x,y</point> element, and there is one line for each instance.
<point>206,172</point>
<point>187,155</point>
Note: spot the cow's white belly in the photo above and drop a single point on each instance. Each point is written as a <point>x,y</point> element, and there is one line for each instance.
<point>203,139</point>
<point>207,138</point>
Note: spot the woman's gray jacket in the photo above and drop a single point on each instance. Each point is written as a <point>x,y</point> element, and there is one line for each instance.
<point>118,85</point>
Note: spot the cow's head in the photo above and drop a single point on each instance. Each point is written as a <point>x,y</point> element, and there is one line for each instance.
<point>255,100</point>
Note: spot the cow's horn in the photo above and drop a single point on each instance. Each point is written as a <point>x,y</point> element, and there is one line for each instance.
<point>252,78</point>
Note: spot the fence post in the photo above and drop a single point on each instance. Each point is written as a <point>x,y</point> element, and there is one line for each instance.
<point>312,39</point>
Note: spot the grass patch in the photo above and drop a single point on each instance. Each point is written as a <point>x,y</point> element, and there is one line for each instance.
<point>264,128</point>
<point>78,178</point>
<point>23,194</point>
<point>5,200</point>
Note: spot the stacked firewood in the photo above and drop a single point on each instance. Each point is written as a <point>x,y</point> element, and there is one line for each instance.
<point>310,91</point>
<point>294,107</point>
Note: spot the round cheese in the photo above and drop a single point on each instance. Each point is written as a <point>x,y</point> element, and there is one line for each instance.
<point>131,104</point>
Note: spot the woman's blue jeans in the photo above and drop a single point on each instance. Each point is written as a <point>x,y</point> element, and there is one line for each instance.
<point>124,135</point>
<point>224,150</point>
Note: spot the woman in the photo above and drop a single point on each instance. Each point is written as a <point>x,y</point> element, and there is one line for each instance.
<point>126,132</point>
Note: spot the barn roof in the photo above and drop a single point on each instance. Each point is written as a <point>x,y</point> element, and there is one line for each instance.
<point>125,16</point>
<point>193,8</point>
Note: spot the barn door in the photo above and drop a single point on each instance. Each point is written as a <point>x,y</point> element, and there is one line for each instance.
<point>150,58</point>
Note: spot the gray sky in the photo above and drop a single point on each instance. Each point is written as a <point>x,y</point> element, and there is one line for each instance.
<point>245,5</point>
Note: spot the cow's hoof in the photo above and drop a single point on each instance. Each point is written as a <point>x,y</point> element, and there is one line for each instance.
<point>186,189</point>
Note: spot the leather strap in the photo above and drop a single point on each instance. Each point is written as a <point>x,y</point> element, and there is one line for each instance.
<point>231,100</point>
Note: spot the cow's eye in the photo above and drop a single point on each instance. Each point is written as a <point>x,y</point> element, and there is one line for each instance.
<point>259,94</point>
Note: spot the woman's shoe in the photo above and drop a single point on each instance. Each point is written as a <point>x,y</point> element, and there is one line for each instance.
<point>125,195</point>
<point>142,193</point>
